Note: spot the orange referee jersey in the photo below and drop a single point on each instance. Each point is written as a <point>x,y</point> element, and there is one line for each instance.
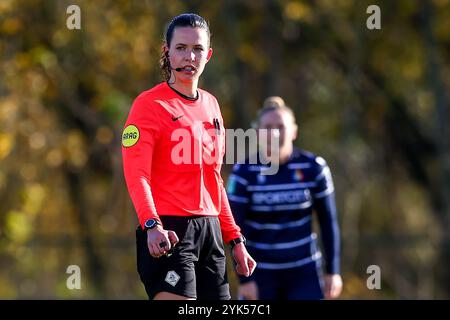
<point>172,150</point>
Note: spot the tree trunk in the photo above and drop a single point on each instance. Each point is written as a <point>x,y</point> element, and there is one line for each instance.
<point>441,137</point>
<point>87,232</point>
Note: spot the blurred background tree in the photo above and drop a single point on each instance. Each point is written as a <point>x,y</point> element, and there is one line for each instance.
<point>374,103</point>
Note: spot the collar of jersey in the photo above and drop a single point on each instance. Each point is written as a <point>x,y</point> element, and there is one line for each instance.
<point>183,95</point>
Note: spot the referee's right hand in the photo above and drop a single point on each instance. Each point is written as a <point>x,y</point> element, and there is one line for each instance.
<point>160,241</point>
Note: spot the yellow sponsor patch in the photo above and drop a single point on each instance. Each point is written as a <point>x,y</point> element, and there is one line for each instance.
<point>130,136</point>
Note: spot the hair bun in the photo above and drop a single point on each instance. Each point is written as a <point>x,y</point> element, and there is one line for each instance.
<point>274,102</point>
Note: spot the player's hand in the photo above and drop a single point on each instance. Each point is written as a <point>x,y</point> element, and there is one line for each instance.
<point>160,241</point>
<point>333,286</point>
<point>248,291</point>
<point>245,265</point>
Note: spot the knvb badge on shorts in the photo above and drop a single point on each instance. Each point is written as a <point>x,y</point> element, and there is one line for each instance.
<point>172,278</point>
<point>130,136</point>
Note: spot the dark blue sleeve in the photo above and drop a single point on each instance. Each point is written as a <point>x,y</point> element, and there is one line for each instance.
<point>325,206</point>
<point>239,198</point>
<point>238,195</point>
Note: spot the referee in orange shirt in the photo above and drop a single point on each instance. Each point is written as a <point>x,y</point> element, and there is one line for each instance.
<point>172,146</point>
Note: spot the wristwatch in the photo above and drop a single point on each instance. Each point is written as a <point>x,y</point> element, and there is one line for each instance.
<point>234,242</point>
<point>150,224</point>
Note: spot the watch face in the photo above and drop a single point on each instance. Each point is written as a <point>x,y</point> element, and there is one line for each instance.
<point>238,240</point>
<point>150,223</point>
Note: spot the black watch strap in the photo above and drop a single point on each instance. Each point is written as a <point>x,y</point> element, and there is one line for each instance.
<point>234,242</point>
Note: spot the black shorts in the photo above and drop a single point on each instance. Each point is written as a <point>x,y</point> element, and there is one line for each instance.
<point>197,266</point>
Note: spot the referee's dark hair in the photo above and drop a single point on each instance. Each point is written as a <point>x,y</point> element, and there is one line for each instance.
<point>183,20</point>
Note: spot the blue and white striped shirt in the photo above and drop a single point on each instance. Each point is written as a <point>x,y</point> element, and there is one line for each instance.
<point>275,212</point>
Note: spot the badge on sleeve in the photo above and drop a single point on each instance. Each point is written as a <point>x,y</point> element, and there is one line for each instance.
<point>130,136</point>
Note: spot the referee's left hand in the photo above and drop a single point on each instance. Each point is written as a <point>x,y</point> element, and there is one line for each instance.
<point>245,264</point>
